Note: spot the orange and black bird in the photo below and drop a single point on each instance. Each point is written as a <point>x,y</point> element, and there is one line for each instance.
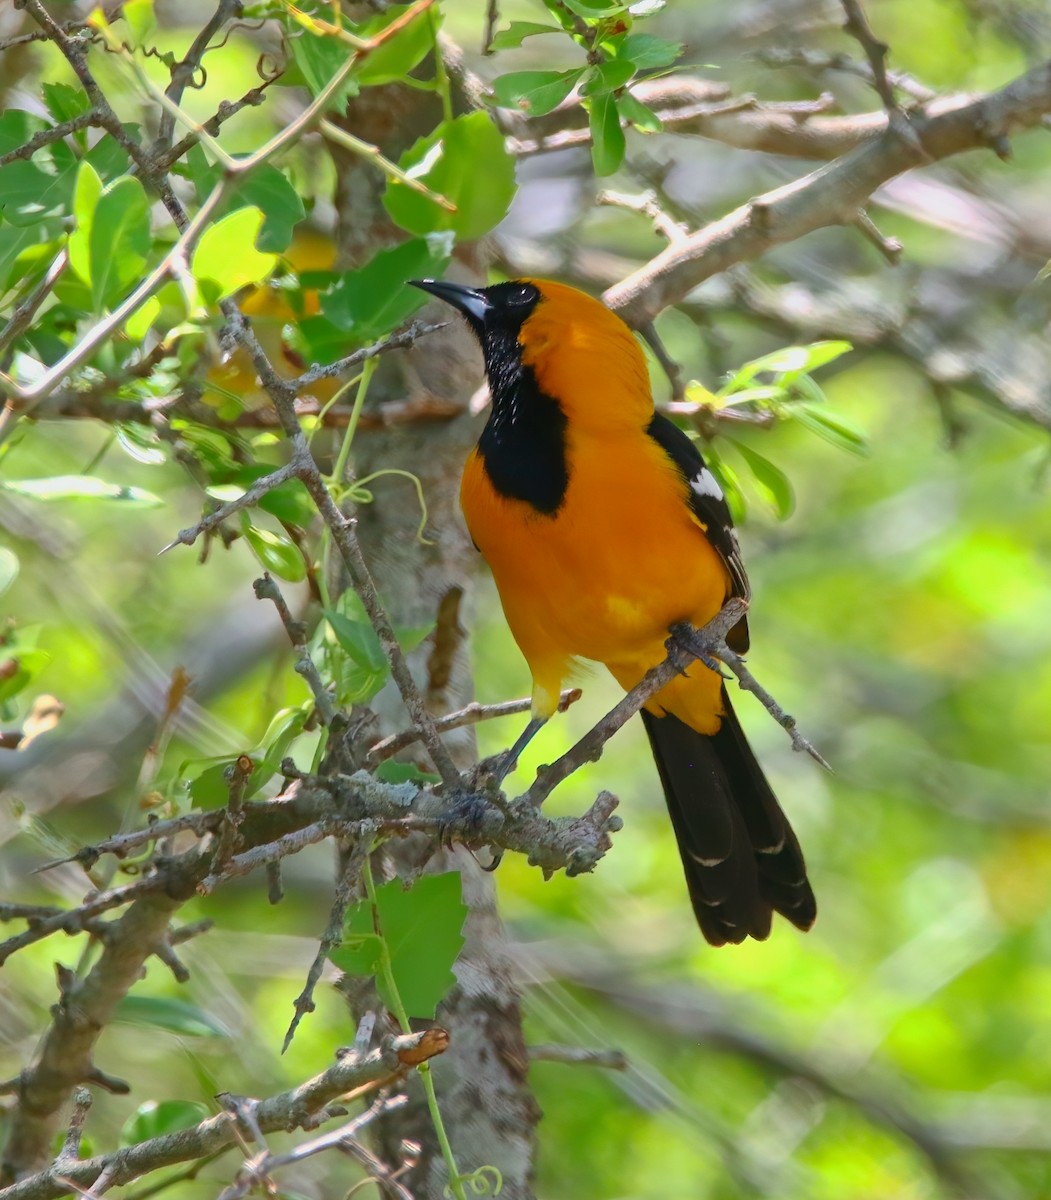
<point>603,528</point>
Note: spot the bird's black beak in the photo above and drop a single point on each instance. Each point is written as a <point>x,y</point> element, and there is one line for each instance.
<point>472,302</point>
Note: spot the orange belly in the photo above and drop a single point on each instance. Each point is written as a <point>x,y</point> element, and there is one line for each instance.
<point>607,574</point>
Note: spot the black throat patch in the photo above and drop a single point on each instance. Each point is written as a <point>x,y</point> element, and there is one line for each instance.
<point>523,445</point>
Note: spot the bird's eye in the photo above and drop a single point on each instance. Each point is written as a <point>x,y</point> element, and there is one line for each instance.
<point>523,294</point>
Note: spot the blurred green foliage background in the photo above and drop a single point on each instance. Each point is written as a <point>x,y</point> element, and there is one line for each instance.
<point>902,614</point>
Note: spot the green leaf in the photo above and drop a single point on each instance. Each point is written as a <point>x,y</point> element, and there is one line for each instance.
<point>448,162</point>
<point>290,502</point>
<point>607,77</point>
<point>14,241</point>
<point>373,300</point>
<point>788,364</point>
<point>30,663</point>
<point>607,137</point>
<point>226,258</point>
<point>410,636</point>
<point>138,324</point>
<point>594,10</point>
<point>109,157</point>
<point>833,427</point>
<point>638,114</point>
<point>204,175</point>
<point>728,480</point>
<point>275,552</point>
<point>80,487</point>
<point>317,339</point>
<point>319,58</point>
<point>64,102</point>
<point>141,444</point>
<point>516,33</point>
<point>359,953</point>
<point>422,929</point>
<point>402,772</point>
<point>156,1118</point>
<point>86,194</point>
<point>282,206</point>
<point>395,57</point>
<point>535,92</point>
<point>30,192</point>
<point>119,240</point>
<point>358,684</point>
<point>210,789</point>
<point>283,730</point>
<point>647,52</point>
<point>358,639</point>
<point>771,482</point>
<point>173,1016</point>
<point>8,568</point>
<point>17,127</point>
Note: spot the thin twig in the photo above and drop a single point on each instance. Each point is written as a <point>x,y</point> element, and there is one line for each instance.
<point>579,1056</point>
<point>266,589</point>
<point>183,72</point>
<point>647,204</point>
<point>333,934</point>
<point>46,136</point>
<point>858,27</point>
<point>694,640</point>
<point>470,715</point>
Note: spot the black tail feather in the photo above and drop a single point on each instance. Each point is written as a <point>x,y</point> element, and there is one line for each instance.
<point>741,858</point>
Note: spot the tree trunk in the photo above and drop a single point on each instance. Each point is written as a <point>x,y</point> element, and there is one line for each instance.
<point>487,1107</point>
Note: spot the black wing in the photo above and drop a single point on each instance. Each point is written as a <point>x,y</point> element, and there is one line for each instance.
<point>709,507</point>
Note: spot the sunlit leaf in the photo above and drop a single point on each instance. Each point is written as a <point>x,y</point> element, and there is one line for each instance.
<point>226,258</point>
<point>86,194</point>
<point>448,163</point>
<point>275,552</point>
<point>119,240</point>
<point>80,487</point>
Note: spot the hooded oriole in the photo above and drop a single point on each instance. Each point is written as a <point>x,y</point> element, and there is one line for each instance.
<point>603,527</point>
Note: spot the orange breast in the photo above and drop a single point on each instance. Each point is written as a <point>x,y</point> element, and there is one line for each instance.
<point>607,574</point>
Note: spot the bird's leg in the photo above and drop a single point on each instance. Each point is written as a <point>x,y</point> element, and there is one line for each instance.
<point>510,759</point>
<point>684,637</point>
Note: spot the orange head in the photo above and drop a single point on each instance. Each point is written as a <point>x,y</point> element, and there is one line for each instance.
<point>580,354</point>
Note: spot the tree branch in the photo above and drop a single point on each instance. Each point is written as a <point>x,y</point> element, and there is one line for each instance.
<point>832,195</point>
<point>301,1107</point>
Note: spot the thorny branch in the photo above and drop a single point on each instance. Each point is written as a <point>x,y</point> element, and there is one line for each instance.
<point>831,195</point>
<point>303,1107</point>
